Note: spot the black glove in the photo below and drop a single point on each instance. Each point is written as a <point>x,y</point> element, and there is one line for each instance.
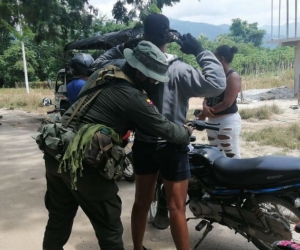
<point>130,44</point>
<point>190,45</point>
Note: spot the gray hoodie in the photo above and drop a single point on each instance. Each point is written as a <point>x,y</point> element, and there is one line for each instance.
<point>172,98</point>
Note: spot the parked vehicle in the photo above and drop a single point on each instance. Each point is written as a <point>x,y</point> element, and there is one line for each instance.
<point>101,43</point>
<point>258,198</point>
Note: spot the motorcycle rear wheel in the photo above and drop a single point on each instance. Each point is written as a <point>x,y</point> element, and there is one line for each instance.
<point>287,210</point>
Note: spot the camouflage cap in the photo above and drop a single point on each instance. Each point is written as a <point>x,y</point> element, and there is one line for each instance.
<point>148,58</point>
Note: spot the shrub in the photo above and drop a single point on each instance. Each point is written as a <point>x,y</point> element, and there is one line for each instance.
<point>261,113</point>
<point>32,85</point>
<point>277,136</point>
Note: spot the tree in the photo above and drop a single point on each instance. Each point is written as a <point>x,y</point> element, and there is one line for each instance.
<point>139,8</point>
<point>11,64</point>
<point>51,20</point>
<point>241,31</point>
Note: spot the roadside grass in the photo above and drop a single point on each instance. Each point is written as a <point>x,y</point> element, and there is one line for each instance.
<point>260,113</point>
<point>268,80</point>
<point>17,98</point>
<point>287,137</point>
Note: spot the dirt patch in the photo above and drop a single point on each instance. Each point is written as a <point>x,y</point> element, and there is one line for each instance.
<point>21,119</point>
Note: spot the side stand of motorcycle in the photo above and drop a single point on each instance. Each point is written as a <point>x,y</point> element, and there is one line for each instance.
<point>258,198</point>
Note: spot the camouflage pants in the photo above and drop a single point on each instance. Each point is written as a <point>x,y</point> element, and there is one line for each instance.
<point>95,195</point>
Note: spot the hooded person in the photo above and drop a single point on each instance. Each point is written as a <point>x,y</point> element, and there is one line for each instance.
<point>153,154</point>
<point>122,105</point>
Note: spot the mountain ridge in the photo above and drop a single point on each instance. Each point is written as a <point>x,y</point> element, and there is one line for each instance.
<point>213,31</point>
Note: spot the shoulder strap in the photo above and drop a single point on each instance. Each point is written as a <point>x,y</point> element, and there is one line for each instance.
<point>115,73</point>
<point>104,76</point>
<point>229,72</point>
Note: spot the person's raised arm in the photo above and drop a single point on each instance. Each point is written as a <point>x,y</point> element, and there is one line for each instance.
<point>115,53</point>
<point>110,55</point>
<point>208,82</point>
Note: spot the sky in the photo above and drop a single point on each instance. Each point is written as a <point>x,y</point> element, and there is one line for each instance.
<point>220,11</point>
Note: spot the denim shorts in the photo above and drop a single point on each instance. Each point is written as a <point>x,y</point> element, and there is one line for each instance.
<point>169,158</point>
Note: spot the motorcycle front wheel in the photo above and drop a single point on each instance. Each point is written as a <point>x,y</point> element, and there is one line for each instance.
<point>281,206</point>
<point>158,213</point>
<point>153,208</point>
<point>128,172</point>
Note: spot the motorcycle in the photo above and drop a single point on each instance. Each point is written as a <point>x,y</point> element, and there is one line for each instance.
<point>128,173</point>
<point>257,197</point>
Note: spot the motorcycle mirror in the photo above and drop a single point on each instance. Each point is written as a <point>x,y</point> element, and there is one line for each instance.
<point>47,101</point>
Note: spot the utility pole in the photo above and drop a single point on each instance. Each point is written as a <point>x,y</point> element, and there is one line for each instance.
<point>19,29</point>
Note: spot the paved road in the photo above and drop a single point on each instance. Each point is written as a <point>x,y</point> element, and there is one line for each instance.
<point>23,216</point>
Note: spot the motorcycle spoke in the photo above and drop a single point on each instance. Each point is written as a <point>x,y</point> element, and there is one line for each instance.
<point>281,210</point>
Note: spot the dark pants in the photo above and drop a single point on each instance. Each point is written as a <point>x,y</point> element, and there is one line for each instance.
<point>95,195</point>
<point>170,159</point>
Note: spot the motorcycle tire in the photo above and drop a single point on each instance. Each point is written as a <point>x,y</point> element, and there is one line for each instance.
<point>280,205</point>
<point>129,176</point>
<point>153,209</point>
<point>158,213</point>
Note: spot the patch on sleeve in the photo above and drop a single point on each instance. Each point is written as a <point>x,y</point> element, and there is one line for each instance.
<point>149,101</point>
<point>149,104</point>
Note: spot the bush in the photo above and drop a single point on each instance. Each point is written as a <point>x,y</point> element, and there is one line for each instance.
<point>277,136</point>
<point>32,85</point>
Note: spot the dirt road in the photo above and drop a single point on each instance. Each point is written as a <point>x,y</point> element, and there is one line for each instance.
<point>22,187</point>
<point>22,213</point>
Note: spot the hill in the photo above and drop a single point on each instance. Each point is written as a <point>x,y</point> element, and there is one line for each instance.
<point>196,29</point>
<point>213,31</point>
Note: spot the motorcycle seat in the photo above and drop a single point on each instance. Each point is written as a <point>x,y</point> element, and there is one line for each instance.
<point>264,170</point>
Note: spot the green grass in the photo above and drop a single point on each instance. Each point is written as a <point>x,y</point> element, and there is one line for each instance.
<point>287,137</point>
<point>261,113</point>
<point>269,80</point>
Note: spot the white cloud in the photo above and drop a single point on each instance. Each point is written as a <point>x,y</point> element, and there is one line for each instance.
<point>105,6</point>
<point>218,11</point>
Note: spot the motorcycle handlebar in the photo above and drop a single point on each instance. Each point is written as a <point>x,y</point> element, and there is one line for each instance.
<point>201,125</point>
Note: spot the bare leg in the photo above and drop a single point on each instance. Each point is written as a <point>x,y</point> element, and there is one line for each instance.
<point>176,193</point>
<point>144,194</point>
